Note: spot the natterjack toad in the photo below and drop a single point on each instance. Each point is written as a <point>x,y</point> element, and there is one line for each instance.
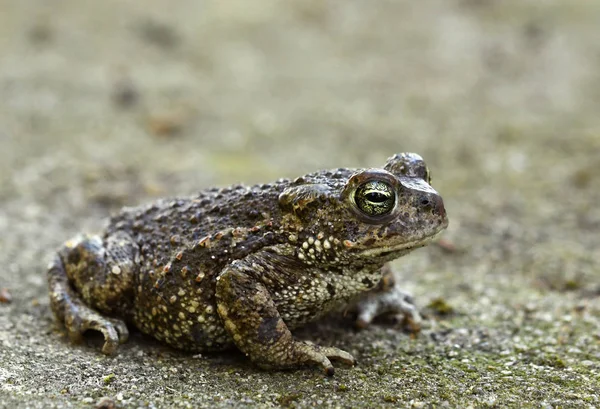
<point>245,265</point>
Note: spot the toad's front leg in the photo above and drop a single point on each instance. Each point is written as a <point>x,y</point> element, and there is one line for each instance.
<point>386,299</point>
<point>251,318</point>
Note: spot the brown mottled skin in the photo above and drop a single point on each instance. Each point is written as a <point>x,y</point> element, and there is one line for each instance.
<point>245,265</point>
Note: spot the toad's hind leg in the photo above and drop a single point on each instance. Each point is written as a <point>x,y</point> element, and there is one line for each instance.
<point>87,275</point>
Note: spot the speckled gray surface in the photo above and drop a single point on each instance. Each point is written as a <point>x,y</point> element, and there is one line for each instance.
<point>112,103</point>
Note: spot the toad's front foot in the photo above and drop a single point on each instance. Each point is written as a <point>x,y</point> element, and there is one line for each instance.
<point>387,298</point>
<point>305,352</point>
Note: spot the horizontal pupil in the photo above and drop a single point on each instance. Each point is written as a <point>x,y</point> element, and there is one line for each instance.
<point>376,197</point>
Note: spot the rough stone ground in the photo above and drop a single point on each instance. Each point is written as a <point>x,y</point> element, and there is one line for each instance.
<point>113,103</point>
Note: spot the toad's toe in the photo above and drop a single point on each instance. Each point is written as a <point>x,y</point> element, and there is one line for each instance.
<point>81,319</point>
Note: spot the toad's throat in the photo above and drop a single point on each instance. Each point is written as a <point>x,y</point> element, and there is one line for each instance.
<point>405,246</point>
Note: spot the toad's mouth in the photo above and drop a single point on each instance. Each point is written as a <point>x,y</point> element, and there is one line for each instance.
<point>401,247</point>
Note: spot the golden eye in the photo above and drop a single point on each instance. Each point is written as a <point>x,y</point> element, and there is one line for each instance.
<point>427,177</point>
<point>375,198</point>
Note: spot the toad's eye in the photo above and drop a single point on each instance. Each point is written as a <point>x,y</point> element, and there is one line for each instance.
<point>427,177</point>
<point>375,198</point>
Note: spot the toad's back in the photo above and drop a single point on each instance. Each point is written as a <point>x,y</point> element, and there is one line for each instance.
<point>162,227</point>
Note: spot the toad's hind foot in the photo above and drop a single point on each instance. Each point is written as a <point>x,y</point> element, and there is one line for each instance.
<point>78,317</point>
<point>78,320</point>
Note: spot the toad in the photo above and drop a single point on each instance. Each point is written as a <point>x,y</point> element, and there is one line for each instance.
<point>245,265</point>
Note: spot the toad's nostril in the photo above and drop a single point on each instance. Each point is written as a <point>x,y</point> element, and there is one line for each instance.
<point>432,203</point>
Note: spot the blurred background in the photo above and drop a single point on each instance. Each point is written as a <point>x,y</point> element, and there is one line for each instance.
<point>114,103</point>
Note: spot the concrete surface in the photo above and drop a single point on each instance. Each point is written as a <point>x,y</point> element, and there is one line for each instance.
<point>113,103</point>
